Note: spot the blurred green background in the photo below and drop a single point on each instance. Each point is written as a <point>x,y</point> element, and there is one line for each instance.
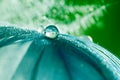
<point>99,19</point>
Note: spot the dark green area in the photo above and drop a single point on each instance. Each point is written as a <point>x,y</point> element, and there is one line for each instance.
<point>83,2</point>
<point>61,14</point>
<point>109,36</point>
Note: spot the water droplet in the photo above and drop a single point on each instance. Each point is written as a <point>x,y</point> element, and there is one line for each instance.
<point>89,38</point>
<point>51,31</point>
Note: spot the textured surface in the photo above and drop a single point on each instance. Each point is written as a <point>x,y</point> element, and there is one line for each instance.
<point>36,57</point>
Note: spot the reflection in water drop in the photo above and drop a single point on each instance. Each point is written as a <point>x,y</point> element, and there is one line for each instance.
<point>51,31</point>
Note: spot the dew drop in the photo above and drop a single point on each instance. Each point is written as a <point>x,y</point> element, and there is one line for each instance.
<point>89,38</point>
<point>51,31</point>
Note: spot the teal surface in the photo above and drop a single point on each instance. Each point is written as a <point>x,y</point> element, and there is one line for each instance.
<point>35,56</point>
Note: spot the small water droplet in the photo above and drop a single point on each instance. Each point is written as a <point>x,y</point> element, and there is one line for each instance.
<point>51,31</point>
<point>89,38</point>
